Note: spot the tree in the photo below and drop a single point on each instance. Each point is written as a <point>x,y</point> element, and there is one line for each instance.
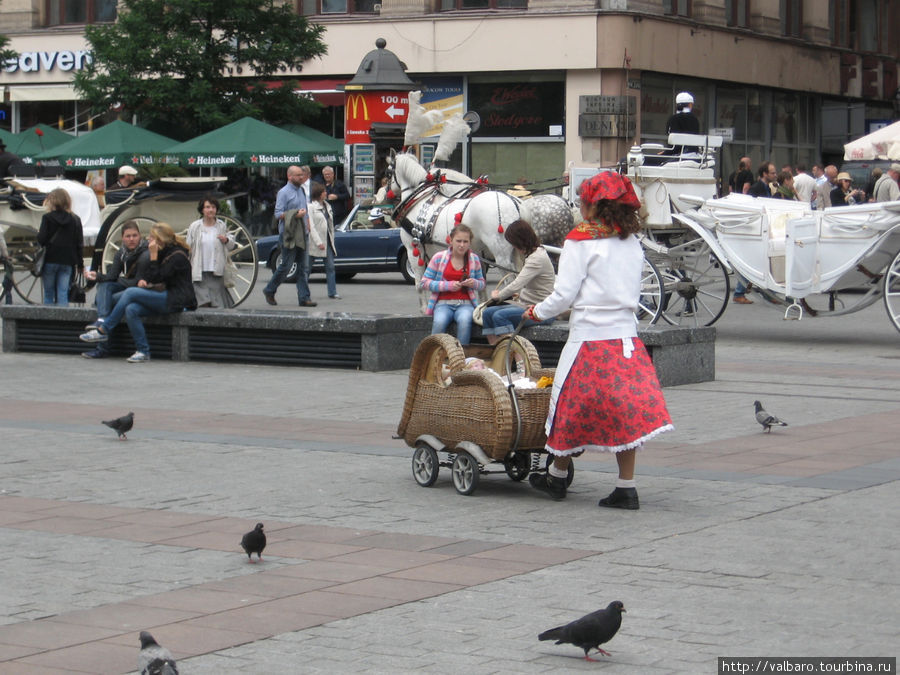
<point>199,64</point>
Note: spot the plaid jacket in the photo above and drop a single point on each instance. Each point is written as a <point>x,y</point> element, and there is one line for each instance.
<point>433,278</point>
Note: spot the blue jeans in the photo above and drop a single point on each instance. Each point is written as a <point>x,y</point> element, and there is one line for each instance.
<point>503,319</point>
<point>288,256</point>
<point>107,295</point>
<point>133,304</point>
<point>329,272</point>
<point>56,279</point>
<point>739,288</point>
<point>445,313</point>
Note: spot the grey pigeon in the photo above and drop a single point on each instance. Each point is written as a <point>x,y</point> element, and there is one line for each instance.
<point>121,425</point>
<point>154,659</point>
<point>254,542</point>
<point>767,419</point>
<point>589,632</point>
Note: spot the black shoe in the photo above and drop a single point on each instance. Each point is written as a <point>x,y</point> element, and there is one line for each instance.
<point>308,303</point>
<point>622,498</point>
<point>553,486</point>
<point>270,298</point>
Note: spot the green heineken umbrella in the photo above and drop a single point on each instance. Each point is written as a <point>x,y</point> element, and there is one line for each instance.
<point>39,138</point>
<point>245,143</point>
<point>8,138</point>
<point>325,150</point>
<point>110,146</point>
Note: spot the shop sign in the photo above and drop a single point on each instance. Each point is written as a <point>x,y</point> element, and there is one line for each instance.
<point>517,108</point>
<point>608,105</point>
<point>607,126</point>
<point>35,62</point>
<point>363,108</point>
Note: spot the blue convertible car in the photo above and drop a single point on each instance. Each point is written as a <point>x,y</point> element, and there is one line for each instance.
<point>363,245</point>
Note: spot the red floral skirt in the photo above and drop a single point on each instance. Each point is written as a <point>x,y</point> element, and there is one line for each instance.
<point>608,403</point>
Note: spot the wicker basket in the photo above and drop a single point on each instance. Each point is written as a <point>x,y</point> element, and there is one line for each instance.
<point>476,405</point>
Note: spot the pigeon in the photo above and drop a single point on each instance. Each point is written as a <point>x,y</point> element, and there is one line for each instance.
<point>766,419</point>
<point>121,425</point>
<point>254,542</point>
<point>591,631</point>
<point>154,659</point>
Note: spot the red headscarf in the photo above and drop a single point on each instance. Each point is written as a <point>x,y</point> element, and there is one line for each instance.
<point>607,185</point>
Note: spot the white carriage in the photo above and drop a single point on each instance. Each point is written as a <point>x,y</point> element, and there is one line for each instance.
<point>849,256</point>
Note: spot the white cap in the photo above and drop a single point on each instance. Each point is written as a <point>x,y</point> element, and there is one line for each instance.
<point>127,171</point>
<point>376,213</point>
<point>684,97</point>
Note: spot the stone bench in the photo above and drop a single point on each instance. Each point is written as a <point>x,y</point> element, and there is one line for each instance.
<point>372,342</point>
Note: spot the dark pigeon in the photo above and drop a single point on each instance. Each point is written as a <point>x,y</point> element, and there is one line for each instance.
<point>766,419</point>
<point>589,632</point>
<point>254,542</point>
<point>154,659</point>
<point>121,425</point>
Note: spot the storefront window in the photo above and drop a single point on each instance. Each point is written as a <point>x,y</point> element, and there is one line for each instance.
<point>447,5</point>
<point>61,12</point>
<point>518,163</point>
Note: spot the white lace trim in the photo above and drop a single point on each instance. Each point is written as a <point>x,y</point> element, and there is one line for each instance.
<point>611,448</point>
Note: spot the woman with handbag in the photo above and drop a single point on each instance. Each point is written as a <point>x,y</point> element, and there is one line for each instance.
<point>167,289</point>
<point>62,238</point>
<point>532,284</point>
<point>209,241</point>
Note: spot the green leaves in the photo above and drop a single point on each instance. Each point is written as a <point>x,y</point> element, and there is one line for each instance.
<point>200,63</point>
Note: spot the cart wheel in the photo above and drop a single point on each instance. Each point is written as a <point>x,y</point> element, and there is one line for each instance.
<point>892,291</point>
<point>465,473</point>
<point>425,465</point>
<point>650,304</point>
<point>696,283</point>
<point>517,465</point>
<point>570,474</point>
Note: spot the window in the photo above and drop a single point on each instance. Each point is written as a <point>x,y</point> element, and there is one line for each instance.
<point>863,25</point>
<point>737,13</point>
<point>310,7</point>
<point>792,18</point>
<point>80,11</point>
<point>678,7</point>
<point>483,4</point>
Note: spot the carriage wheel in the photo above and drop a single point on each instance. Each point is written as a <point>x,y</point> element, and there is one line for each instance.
<point>18,269</point>
<point>892,291</point>
<point>244,258</point>
<point>425,465</point>
<point>243,255</point>
<point>465,473</point>
<point>517,465</point>
<point>650,304</point>
<point>697,285</point>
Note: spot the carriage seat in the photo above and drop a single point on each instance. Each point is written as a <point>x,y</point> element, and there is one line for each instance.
<point>775,244</point>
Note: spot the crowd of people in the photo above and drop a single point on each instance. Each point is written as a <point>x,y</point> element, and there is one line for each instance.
<point>168,273</point>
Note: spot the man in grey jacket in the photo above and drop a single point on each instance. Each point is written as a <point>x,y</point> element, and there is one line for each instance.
<point>129,266</point>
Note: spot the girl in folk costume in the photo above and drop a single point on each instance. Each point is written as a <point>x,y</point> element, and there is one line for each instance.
<point>605,396</point>
<point>454,277</point>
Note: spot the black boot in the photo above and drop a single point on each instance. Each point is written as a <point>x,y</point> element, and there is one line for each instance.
<point>622,498</point>
<point>553,486</point>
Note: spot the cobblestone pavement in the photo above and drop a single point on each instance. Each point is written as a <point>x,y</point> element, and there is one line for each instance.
<point>746,543</point>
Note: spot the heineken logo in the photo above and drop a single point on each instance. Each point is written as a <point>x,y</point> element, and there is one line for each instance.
<point>277,159</point>
<point>204,160</point>
<point>90,162</point>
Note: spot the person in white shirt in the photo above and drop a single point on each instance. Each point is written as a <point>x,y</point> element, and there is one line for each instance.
<point>606,396</point>
<point>804,184</point>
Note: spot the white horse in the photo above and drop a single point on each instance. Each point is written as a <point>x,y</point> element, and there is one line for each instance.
<point>432,203</point>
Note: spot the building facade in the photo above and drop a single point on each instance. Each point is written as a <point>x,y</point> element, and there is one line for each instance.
<point>560,83</point>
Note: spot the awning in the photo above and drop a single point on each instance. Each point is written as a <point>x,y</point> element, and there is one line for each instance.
<point>323,90</point>
<point>47,92</point>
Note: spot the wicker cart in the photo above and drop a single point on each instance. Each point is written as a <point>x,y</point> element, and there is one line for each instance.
<point>473,419</point>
